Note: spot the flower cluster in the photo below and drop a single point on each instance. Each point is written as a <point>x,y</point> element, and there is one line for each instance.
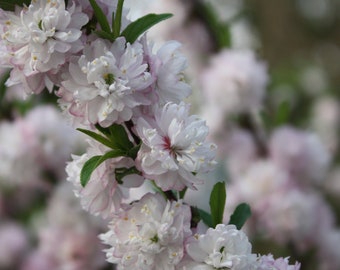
<point>128,97</point>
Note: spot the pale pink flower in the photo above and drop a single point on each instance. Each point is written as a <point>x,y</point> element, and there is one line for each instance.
<point>325,121</point>
<point>239,149</point>
<point>66,235</point>
<point>149,235</point>
<point>262,179</point>
<point>56,140</point>
<point>13,245</point>
<point>300,153</point>
<point>39,40</point>
<point>66,248</point>
<point>102,195</point>
<point>167,67</point>
<point>329,250</point>
<point>234,82</point>
<point>107,82</point>
<point>224,247</point>
<point>296,217</point>
<point>18,154</point>
<point>267,262</point>
<point>39,142</point>
<point>173,149</point>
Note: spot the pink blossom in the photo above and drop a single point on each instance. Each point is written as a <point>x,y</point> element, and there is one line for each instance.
<point>103,194</point>
<point>173,150</point>
<point>106,82</point>
<point>234,82</point>
<point>39,40</point>
<point>300,153</point>
<point>297,217</point>
<point>13,245</point>
<point>167,67</point>
<point>148,235</point>
<point>224,247</point>
<point>267,262</point>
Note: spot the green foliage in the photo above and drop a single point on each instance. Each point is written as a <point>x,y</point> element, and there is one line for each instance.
<point>10,4</point>
<point>94,162</point>
<point>97,137</point>
<point>280,116</point>
<point>220,31</point>
<point>206,218</point>
<point>138,27</point>
<point>117,20</point>
<point>240,215</point>
<point>100,16</point>
<point>132,31</point>
<point>120,173</point>
<point>116,138</point>
<point>119,137</point>
<point>217,203</point>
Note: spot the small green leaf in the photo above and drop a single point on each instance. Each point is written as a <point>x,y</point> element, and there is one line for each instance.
<point>10,5</point>
<point>105,131</point>
<point>104,35</point>
<point>122,172</point>
<point>100,16</point>
<point>94,162</point>
<point>240,215</point>
<point>182,192</point>
<point>217,203</point>
<point>133,152</point>
<point>138,27</point>
<point>3,87</point>
<point>282,114</point>
<point>97,137</point>
<point>206,217</point>
<point>119,137</point>
<point>118,19</point>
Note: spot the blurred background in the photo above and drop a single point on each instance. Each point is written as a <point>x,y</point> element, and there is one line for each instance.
<point>265,76</point>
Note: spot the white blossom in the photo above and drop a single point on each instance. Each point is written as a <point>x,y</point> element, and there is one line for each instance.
<point>234,82</point>
<point>267,262</point>
<point>300,153</point>
<point>103,194</point>
<point>296,217</point>
<point>106,82</point>
<point>224,247</point>
<point>167,67</point>
<point>173,149</point>
<point>39,40</point>
<point>149,234</point>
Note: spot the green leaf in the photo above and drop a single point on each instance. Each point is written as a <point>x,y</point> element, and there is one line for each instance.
<point>282,114</point>
<point>132,153</point>
<point>240,215</point>
<point>217,203</point>
<point>104,35</point>
<point>182,192</point>
<point>118,19</point>
<point>100,16</point>
<point>119,137</point>
<point>206,217</point>
<point>94,162</point>
<point>3,87</point>
<point>220,31</point>
<point>97,137</point>
<point>138,27</point>
<point>10,4</point>
<point>122,172</point>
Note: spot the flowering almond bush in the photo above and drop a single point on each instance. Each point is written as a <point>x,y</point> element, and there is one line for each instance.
<point>128,97</point>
